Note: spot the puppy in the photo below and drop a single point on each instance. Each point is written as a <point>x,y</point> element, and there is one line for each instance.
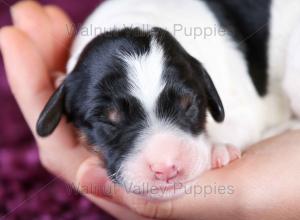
<point>149,92</point>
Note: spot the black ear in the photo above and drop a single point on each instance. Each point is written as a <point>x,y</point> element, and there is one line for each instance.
<point>214,102</point>
<point>51,115</point>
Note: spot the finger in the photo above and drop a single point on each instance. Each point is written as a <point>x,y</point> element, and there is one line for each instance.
<point>30,82</point>
<point>61,26</point>
<point>52,25</point>
<point>91,177</point>
<point>31,18</point>
<point>26,72</point>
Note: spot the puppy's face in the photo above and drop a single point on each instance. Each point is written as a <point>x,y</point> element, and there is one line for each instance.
<point>141,100</point>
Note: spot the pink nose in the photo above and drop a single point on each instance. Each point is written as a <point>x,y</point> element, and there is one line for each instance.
<point>164,172</point>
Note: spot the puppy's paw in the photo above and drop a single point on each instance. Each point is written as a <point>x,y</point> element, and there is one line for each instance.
<point>223,154</point>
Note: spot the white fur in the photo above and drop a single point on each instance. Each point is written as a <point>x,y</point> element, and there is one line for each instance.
<point>291,82</point>
<point>285,17</point>
<point>145,76</point>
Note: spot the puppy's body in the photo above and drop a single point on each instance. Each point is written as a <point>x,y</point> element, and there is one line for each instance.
<point>141,91</point>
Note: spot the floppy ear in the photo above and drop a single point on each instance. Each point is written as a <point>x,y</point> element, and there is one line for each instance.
<point>51,114</point>
<point>215,105</point>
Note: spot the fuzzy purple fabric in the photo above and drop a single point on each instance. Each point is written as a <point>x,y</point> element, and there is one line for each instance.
<point>28,191</point>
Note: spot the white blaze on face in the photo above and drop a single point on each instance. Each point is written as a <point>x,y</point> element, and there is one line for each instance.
<point>145,76</point>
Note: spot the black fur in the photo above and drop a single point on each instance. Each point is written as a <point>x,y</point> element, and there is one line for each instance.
<point>185,77</point>
<point>248,22</point>
<point>99,83</point>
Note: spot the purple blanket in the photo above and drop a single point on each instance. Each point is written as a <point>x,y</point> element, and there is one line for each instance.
<point>26,189</point>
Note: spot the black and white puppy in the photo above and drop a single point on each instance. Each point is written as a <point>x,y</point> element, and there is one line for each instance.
<point>152,100</point>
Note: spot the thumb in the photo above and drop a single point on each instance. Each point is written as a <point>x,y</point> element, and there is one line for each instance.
<point>92,179</point>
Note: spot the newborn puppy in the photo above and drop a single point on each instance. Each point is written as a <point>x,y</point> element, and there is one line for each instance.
<point>151,100</point>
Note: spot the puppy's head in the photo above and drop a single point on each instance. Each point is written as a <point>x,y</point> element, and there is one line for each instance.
<point>141,100</point>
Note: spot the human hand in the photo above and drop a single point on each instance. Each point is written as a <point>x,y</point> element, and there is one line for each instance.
<point>33,49</point>
<point>30,56</point>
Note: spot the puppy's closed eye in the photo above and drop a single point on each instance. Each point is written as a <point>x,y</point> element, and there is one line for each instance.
<point>185,102</point>
<point>113,115</point>
<point>188,104</point>
<point>109,115</point>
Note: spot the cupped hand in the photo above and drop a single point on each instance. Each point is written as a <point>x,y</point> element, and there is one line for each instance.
<point>262,183</point>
